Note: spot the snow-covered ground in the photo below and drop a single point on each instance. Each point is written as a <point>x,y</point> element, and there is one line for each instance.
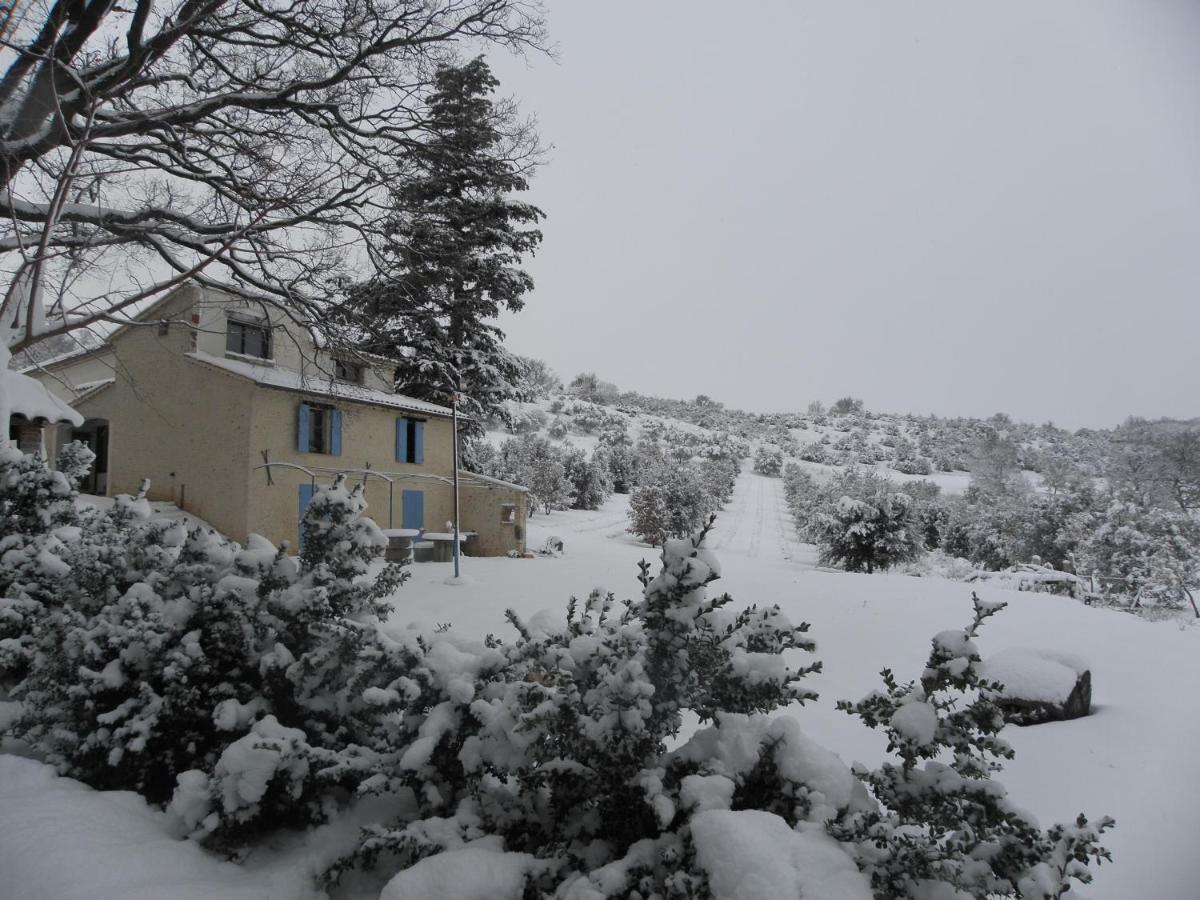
<point>1134,758</point>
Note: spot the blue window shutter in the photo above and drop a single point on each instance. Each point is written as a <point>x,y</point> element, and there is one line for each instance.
<point>306,495</point>
<point>412,509</point>
<point>302,429</point>
<point>401,439</point>
<point>419,440</point>
<point>335,432</point>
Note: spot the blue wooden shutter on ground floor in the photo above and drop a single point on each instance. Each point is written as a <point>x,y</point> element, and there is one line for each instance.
<point>302,427</point>
<point>402,440</point>
<point>335,432</point>
<point>412,506</point>
<point>306,495</point>
<point>418,442</point>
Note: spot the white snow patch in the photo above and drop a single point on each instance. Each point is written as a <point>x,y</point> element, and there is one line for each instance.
<point>751,855</point>
<point>472,873</point>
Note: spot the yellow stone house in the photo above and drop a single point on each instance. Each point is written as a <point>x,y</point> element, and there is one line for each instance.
<point>235,415</point>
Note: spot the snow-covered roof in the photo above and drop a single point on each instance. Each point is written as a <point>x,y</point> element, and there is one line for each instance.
<point>488,479</point>
<point>89,389</point>
<point>284,379</point>
<point>30,398</point>
<point>70,355</point>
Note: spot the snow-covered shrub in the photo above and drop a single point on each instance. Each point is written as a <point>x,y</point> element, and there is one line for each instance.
<point>944,827</point>
<point>589,479</point>
<point>867,524</point>
<point>913,465</point>
<point>151,650</point>
<point>37,510</point>
<point>768,460</point>
<point>533,462</point>
<point>1148,556</point>
<point>816,452</point>
<point>719,475</point>
<point>846,406</point>
<point>620,459</point>
<point>556,744</point>
<point>673,505</point>
<point>35,498</point>
<point>525,421</point>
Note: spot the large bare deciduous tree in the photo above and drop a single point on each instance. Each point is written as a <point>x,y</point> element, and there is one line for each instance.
<point>246,144</point>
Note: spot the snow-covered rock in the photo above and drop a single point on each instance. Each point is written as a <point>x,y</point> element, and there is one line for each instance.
<point>1039,685</point>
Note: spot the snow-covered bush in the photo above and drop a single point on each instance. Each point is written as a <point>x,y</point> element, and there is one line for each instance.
<point>673,505</point>
<point>719,475</point>
<point>557,744</point>
<point>620,459</point>
<point>913,465</point>
<point>816,452</point>
<point>872,525</point>
<point>589,480</point>
<point>768,460</point>
<point>944,827</point>
<point>149,651</point>
<point>532,461</point>
<point>549,757</point>
<point>1148,556</point>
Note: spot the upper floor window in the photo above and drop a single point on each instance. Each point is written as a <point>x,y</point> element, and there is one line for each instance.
<point>248,339</point>
<point>319,429</point>
<point>347,371</point>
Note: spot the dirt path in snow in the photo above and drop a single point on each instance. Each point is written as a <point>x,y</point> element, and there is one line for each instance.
<point>756,523</point>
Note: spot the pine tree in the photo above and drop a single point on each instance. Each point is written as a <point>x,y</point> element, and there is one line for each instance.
<point>456,245</point>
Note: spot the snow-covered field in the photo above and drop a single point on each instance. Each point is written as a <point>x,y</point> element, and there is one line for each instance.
<point>1134,758</point>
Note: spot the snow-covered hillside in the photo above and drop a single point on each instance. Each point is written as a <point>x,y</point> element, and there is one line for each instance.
<point>1133,758</point>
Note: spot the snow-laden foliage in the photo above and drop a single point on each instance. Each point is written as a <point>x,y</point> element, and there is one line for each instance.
<point>556,743</point>
<point>144,652</point>
<point>1150,555</point>
<point>768,460</point>
<point>944,827</point>
<point>589,477</point>
<point>535,463</point>
<point>674,504</point>
<point>871,526</point>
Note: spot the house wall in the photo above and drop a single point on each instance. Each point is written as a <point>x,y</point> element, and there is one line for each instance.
<point>63,378</point>
<point>291,347</point>
<point>182,425</point>
<point>481,511</point>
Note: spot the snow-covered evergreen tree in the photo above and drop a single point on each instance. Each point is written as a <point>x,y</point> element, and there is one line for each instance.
<point>588,477</point>
<point>453,264</point>
<point>674,504</point>
<point>873,526</point>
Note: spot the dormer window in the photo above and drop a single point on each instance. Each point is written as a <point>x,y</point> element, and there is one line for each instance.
<point>347,371</point>
<point>247,338</point>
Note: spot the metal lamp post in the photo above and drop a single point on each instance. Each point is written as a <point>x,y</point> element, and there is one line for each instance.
<point>457,529</point>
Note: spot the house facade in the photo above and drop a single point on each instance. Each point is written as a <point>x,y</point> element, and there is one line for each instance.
<point>236,416</point>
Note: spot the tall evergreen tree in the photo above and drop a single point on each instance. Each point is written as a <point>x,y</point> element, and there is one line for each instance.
<point>457,242</point>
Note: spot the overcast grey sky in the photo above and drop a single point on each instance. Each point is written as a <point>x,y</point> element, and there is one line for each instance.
<point>958,208</point>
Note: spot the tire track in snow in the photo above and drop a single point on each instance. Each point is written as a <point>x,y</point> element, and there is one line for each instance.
<point>752,550</point>
<point>732,515</point>
<point>788,544</point>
